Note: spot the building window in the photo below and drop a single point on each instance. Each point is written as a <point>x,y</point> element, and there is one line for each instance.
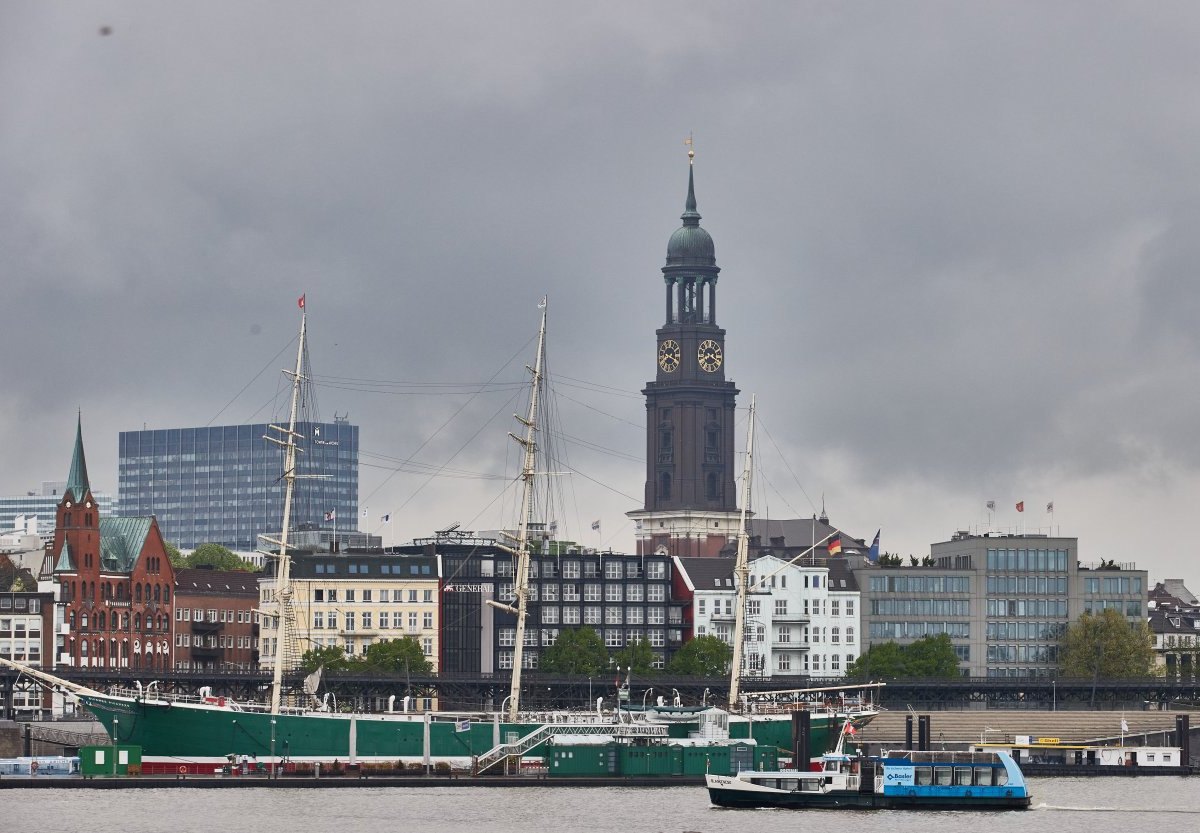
<point>664,486</point>
<point>427,622</point>
<point>366,620</point>
<point>612,569</point>
<point>784,663</point>
<point>781,607</point>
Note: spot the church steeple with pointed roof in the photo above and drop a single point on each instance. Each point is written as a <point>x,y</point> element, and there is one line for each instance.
<point>77,478</point>
<point>690,499</point>
<point>115,580</point>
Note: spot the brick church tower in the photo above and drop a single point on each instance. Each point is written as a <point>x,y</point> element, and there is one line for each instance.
<point>690,500</point>
<point>115,579</point>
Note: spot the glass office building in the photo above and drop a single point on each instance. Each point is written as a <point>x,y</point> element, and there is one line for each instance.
<point>43,505</point>
<point>224,484</point>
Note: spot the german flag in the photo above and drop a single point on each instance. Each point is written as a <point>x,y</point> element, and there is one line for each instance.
<point>835,545</point>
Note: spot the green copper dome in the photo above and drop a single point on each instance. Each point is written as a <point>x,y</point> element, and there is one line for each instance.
<point>691,245</point>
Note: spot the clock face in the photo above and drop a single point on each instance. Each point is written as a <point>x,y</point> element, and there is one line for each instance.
<point>668,355</point>
<point>709,356</point>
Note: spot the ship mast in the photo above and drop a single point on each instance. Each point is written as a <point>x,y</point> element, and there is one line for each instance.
<point>283,580</point>
<point>741,570</point>
<point>521,551</point>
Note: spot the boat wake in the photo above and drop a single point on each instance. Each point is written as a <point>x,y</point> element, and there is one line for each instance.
<point>1066,809</point>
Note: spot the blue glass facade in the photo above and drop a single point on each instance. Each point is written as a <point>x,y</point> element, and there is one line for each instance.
<point>224,484</point>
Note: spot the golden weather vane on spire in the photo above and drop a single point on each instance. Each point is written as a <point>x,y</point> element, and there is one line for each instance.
<point>691,149</point>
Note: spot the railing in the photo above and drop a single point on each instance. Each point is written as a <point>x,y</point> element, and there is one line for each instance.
<point>517,748</point>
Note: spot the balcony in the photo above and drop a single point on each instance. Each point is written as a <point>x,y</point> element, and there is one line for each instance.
<point>206,650</point>
<point>789,646</point>
<point>803,618</point>
<point>205,626</point>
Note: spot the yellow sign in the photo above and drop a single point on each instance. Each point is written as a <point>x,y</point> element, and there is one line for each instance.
<point>1049,740</point>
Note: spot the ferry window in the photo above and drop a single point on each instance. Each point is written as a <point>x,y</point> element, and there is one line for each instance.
<point>962,776</point>
<point>942,776</point>
<point>1166,757</point>
<point>983,776</point>
<point>1001,777</point>
<point>788,784</point>
<point>924,775</point>
<point>809,785</point>
<point>1149,757</point>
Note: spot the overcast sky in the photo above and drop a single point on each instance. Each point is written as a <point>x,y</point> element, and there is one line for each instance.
<point>958,243</point>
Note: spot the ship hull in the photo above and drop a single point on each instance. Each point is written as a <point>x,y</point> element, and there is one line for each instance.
<point>188,731</point>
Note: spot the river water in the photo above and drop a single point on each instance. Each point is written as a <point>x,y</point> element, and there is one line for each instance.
<point>1061,805</point>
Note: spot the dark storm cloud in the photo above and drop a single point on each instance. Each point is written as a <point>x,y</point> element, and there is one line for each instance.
<point>957,241</point>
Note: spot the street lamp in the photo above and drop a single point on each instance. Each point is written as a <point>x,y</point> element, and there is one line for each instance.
<point>678,700</point>
<point>704,698</point>
<point>645,695</point>
<point>116,731</point>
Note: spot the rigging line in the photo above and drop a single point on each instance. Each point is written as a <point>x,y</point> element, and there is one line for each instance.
<point>435,473</point>
<point>600,386</point>
<point>251,382</point>
<point>327,385</point>
<point>427,466</point>
<point>636,425</point>
<point>603,485</point>
<point>778,451</point>
<point>468,441</point>
<point>579,441</point>
<point>348,379</point>
<point>449,419</point>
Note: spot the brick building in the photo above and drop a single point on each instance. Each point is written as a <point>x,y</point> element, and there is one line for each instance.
<point>115,582</point>
<point>216,624</point>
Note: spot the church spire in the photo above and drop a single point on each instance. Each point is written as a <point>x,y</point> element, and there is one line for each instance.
<point>77,479</point>
<point>690,216</point>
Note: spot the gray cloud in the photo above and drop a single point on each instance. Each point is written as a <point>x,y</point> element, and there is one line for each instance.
<point>957,241</point>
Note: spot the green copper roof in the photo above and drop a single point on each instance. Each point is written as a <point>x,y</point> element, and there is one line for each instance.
<point>77,480</point>
<point>121,542</point>
<point>691,245</point>
<point>64,565</point>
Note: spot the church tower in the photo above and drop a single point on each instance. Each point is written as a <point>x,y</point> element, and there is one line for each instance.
<point>690,499</point>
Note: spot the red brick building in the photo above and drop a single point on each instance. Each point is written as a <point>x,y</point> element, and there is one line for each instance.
<point>216,620</point>
<point>116,582</point>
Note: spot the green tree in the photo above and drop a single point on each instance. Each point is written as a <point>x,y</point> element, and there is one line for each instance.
<point>931,657</point>
<point>218,558</point>
<point>638,656</point>
<point>576,651</point>
<point>174,556</point>
<point>882,661</point>
<point>397,656</point>
<point>1106,645</point>
<point>332,657</point>
<point>704,656</point>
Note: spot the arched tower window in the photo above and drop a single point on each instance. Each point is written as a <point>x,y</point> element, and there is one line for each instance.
<point>138,593</point>
<point>711,486</point>
<point>664,486</point>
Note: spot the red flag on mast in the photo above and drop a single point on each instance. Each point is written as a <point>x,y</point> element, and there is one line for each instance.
<point>1020,506</point>
<point>300,301</point>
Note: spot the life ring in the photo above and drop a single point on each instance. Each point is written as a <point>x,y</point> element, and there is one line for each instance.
<point>182,769</point>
